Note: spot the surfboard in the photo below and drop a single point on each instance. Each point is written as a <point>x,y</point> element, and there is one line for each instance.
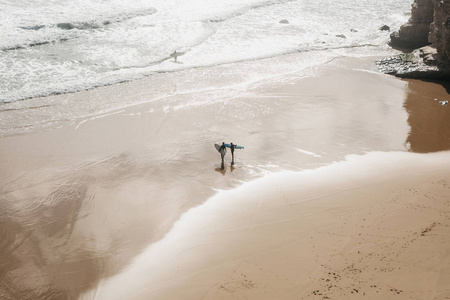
<point>176,54</point>
<point>218,149</point>
<point>235,146</point>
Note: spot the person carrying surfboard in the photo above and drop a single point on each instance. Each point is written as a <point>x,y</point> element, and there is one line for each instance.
<point>174,55</point>
<point>232,153</point>
<point>222,151</point>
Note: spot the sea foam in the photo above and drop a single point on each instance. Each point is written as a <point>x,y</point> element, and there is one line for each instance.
<point>50,47</point>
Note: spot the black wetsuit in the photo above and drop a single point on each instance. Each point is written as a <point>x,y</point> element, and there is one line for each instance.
<point>232,153</point>
<point>222,153</point>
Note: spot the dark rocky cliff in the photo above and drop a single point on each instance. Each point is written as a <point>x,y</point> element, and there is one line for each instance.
<point>414,33</point>
<point>429,28</point>
<point>440,29</point>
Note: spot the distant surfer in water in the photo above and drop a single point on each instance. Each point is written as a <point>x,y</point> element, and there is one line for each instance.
<point>222,154</point>
<point>174,55</point>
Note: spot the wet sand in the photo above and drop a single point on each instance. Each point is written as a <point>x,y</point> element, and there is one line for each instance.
<point>88,208</point>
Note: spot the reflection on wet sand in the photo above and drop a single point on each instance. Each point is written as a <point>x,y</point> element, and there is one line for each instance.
<point>59,238</point>
<point>36,245</point>
<point>428,118</point>
<point>223,171</point>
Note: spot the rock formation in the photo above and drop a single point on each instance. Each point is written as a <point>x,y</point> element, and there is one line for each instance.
<point>414,33</point>
<point>440,29</point>
<point>429,24</point>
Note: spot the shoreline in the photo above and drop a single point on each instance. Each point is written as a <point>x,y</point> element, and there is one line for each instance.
<point>82,200</point>
<point>371,50</point>
<point>74,107</point>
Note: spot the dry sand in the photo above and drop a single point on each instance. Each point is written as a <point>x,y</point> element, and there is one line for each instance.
<point>132,205</point>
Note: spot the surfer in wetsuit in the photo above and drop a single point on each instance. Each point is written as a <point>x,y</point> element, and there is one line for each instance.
<point>232,153</point>
<point>174,56</point>
<point>222,153</point>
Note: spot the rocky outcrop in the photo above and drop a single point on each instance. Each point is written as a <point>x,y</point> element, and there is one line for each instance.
<point>440,29</point>
<point>419,64</point>
<point>429,25</point>
<point>414,33</point>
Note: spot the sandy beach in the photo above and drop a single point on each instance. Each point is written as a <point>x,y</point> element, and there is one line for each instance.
<point>342,190</point>
<point>349,230</point>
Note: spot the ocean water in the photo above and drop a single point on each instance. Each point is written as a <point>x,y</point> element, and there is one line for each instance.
<point>61,46</point>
